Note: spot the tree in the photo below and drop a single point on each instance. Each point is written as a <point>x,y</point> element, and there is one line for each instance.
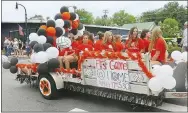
<point>170,28</point>
<point>170,10</point>
<point>120,18</point>
<point>103,21</point>
<point>85,16</point>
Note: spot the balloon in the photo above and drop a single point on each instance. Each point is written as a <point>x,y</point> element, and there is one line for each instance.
<point>53,63</point>
<point>59,23</point>
<point>80,26</point>
<point>64,9</point>
<point>184,56</point>
<point>170,82</point>
<point>156,70</point>
<point>77,17</point>
<point>33,43</point>
<point>33,58</point>
<point>52,52</point>
<point>66,24</point>
<point>13,61</point>
<point>65,16</point>
<point>13,69</point>
<point>74,31</point>
<point>38,47</point>
<point>176,55</point>
<point>51,31</point>
<point>59,31</point>
<point>46,46</point>
<point>42,39</point>
<point>49,39</point>
<point>6,65</point>
<point>166,70</point>
<point>50,23</point>
<point>42,68</point>
<point>41,57</point>
<point>4,59</point>
<point>75,25</point>
<point>155,84</point>
<point>71,9</point>
<point>57,16</point>
<point>80,33</point>
<point>72,16</point>
<point>33,37</point>
<point>43,27</point>
<point>41,32</point>
<point>63,42</point>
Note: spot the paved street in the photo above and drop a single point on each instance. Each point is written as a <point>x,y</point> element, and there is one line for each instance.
<point>20,97</point>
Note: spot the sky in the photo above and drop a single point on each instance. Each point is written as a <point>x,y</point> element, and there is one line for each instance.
<point>50,8</point>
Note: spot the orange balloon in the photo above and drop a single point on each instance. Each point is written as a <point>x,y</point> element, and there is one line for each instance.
<point>43,27</point>
<point>75,24</point>
<point>65,16</point>
<point>51,31</point>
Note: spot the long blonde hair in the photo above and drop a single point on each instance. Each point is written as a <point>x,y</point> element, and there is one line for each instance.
<point>107,34</point>
<point>156,33</point>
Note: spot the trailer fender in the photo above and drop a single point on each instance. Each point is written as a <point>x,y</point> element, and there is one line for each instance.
<point>58,80</point>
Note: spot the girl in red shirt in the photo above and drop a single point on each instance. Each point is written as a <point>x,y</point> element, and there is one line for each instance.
<point>145,35</point>
<point>98,43</point>
<point>134,43</point>
<point>118,44</point>
<point>85,45</point>
<point>158,46</point>
<point>108,43</point>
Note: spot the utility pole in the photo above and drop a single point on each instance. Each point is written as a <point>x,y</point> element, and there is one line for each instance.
<point>105,15</point>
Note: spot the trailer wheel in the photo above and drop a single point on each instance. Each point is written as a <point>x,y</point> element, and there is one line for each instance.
<point>47,87</point>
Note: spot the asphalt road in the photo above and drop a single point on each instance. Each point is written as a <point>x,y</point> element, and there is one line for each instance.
<point>20,97</point>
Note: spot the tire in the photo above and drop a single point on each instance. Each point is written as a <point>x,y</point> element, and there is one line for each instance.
<point>47,87</point>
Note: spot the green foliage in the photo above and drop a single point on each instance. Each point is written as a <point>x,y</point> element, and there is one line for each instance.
<point>170,10</point>
<point>103,21</point>
<point>170,28</point>
<point>120,18</point>
<point>173,47</point>
<point>85,16</point>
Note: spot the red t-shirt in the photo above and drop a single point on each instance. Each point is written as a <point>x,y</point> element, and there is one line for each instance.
<point>82,47</point>
<point>97,45</point>
<point>159,46</point>
<point>135,46</point>
<point>146,44</point>
<point>81,41</point>
<point>68,50</point>
<point>118,47</point>
<point>107,46</point>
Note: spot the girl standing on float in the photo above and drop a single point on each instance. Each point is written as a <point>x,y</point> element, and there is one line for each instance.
<point>108,42</point>
<point>118,44</point>
<point>98,43</point>
<point>145,35</point>
<point>158,46</point>
<point>134,43</point>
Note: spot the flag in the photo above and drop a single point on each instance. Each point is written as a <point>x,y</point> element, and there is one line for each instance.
<point>20,29</point>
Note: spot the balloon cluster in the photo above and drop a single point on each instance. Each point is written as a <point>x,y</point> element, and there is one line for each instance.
<point>11,65</point>
<point>179,57</point>
<point>163,78</point>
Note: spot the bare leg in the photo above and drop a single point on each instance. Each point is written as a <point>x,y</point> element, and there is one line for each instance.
<point>68,59</point>
<point>60,58</point>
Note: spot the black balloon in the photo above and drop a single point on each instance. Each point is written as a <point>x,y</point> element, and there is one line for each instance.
<point>38,47</point>
<point>33,43</point>
<point>64,9</point>
<point>58,16</point>
<point>6,65</point>
<point>74,31</point>
<point>50,23</point>
<point>46,46</point>
<point>66,24</point>
<point>80,26</point>
<point>13,61</point>
<point>53,63</point>
<point>49,40</point>
<point>13,69</point>
<point>42,68</point>
<point>59,31</point>
<point>41,32</point>
<point>72,16</point>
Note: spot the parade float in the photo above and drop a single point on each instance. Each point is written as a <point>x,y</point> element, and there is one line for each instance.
<point>124,76</point>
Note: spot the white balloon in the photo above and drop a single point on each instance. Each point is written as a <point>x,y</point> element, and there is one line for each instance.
<point>71,9</point>
<point>33,37</point>
<point>170,82</point>
<point>52,52</point>
<point>77,17</point>
<point>41,39</point>
<point>184,56</point>
<point>41,57</point>
<point>33,58</point>
<point>63,42</point>
<point>155,84</point>
<point>4,59</point>
<point>59,23</point>
<point>156,71</point>
<point>80,33</point>
<point>176,55</point>
<point>166,70</point>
